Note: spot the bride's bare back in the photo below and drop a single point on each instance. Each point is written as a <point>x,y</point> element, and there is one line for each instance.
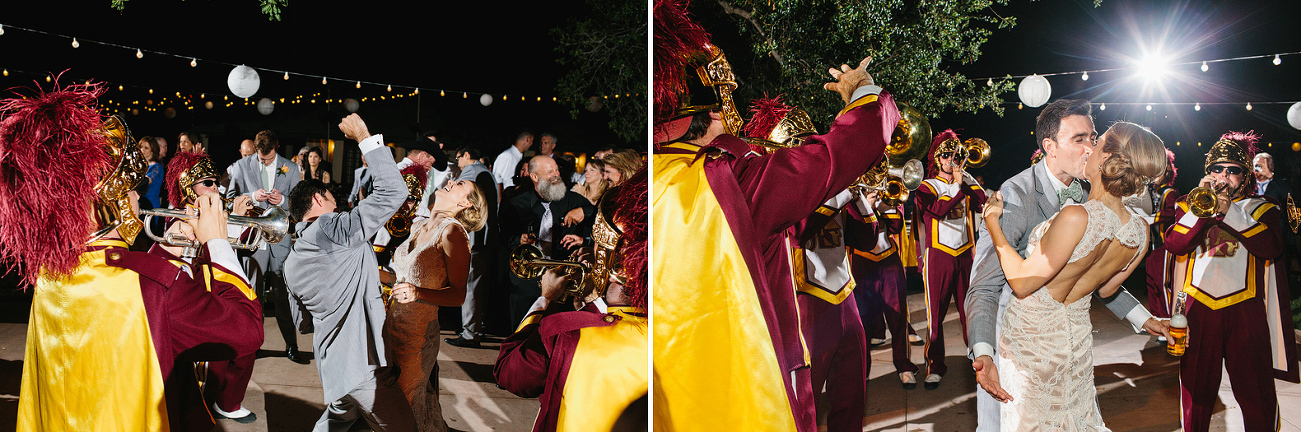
<point>1082,249</point>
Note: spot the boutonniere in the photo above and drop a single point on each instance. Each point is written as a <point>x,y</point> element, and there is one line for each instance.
<point>284,169</point>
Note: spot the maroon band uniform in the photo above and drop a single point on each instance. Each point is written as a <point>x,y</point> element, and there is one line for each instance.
<point>945,237</point>
<point>877,268</point>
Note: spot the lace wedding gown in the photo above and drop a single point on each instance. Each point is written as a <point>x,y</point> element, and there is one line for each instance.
<point>1045,347</point>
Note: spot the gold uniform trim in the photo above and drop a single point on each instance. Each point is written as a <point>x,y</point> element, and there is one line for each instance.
<point>858,103</point>
<point>1214,303</point>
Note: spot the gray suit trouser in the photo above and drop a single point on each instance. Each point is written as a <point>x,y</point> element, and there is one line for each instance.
<point>378,401</point>
<point>476,291</point>
<point>989,412</point>
<point>268,277</point>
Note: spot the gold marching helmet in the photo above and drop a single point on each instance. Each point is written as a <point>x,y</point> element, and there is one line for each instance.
<point>113,208</point>
<point>201,169</point>
<point>713,90</point>
<point>1233,147</point>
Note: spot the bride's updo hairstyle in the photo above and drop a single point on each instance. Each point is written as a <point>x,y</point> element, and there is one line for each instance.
<point>1137,159</point>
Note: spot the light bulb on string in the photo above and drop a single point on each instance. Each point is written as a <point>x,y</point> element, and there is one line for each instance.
<point>1149,107</point>
<point>989,83</point>
<point>358,84</point>
<point>390,87</point>
<point>76,44</point>
<point>119,87</point>
<point>417,91</point>
<point>2,30</point>
<point>1197,106</point>
<point>1248,106</point>
<point>1103,107</point>
<point>1019,105</point>
<point>1205,68</point>
<point>465,95</point>
<point>1277,61</point>
<point>442,93</point>
<point>323,81</point>
<point>194,62</point>
<point>47,78</point>
<point>6,73</point>
<point>1085,77</point>
<point>151,91</point>
<point>140,54</point>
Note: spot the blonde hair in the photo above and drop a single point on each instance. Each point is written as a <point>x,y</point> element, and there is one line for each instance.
<point>474,217</point>
<point>1137,159</point>
<point>628,162</point>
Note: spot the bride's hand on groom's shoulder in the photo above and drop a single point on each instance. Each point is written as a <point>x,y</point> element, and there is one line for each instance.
<point>993,208</point>
<point>987,377</point>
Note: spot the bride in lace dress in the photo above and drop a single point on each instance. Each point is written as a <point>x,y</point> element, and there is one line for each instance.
<point>430,268</point>
<point>1046,342</point>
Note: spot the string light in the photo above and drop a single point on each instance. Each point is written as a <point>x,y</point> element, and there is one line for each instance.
<point>140,54</point>
<point>47,78</point>
<point>1197,107</point>
<point>1248,106</point>
<point>194,62</point>
<point>1204,69</point>
<point>989,83</point>
<point>1085,77</point>
<point>358,84</point>
<point>390,87</point>
<point>76,44</point>
<point>1277,61</point>
<point>1103,107</point>
<point>442,93</point>
<point>323,81</point>
<point>417,90</point>
<point>6,72</point>
<point>2,30</point>
<point>1149,107</point>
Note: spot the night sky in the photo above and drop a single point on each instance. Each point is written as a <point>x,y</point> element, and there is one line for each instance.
<point>1071,35</point>
<point>473,47</point>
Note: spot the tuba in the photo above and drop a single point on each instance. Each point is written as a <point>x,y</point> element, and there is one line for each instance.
<point>526,262</point>
<point>900,171</point>
<point>270,227</point>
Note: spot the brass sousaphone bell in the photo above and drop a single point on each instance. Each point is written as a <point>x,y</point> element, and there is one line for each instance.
<point>900,171</point>
<point>977,152</point>
<point>527,262</point>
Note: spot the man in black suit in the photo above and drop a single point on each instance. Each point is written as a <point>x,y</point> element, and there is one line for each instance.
<point>536,217</point>
<point>1276,188</point>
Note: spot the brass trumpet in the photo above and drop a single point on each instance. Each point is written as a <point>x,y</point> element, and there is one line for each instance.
<point>893,182</point>
<point>270,227</point>
<point>1202,201</point>
<point>1293,214</point>
<point>526,262</point>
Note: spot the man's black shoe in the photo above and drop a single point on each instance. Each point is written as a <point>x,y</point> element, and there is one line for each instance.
<point>294,356</point>
<point>462,342</point>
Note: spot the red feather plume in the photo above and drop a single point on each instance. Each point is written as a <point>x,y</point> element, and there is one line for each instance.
<point>51,158</point>
<point>631,205</point>
<point>765,113</point>
<point>677,37</point>
<point>1247,140</point>
<point>180,162</point>
<point>422,175</point>
<point>1174,171</point>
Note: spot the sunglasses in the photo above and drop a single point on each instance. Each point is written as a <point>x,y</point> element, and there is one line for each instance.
<point>1231,169</point>
<point>207,183</point>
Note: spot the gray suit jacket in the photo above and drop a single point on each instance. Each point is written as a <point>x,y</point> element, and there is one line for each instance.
<point>1028,199</point>
<point>333,271</point>
<point>246,178</point>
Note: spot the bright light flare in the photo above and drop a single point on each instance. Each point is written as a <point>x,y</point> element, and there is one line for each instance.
<point>1152,68</point>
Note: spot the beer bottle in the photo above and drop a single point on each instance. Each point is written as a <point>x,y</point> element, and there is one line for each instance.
<point>1178,327</point>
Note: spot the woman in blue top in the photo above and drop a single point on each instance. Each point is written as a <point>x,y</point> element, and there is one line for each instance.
<point>149,148</point>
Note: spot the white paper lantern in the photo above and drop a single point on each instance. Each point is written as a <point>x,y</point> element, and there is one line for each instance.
<point>351,105</point>
<point>595,104</point>
<point>485,100</point>
<point>243,81</point>
<point>169,112</point>
<point>1294,115</point>
<point>266,106</point>
<point>1034,91</point>
<point>207,104</point>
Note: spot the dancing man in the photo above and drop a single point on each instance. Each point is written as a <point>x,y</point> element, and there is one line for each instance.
<point>333,270</point>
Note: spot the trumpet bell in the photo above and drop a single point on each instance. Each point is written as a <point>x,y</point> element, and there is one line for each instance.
<point>977,152</point>
<point>527,262</point>
<point>1201,202</point>
<point>910,174</point>
<point>271,226</point>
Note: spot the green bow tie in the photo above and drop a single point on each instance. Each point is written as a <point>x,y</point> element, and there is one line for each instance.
<point>1075,192</point>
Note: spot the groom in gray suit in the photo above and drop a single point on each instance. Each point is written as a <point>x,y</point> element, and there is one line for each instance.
<point>334,271</point>
<point>1036,194</point>
<point>267,178</point>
